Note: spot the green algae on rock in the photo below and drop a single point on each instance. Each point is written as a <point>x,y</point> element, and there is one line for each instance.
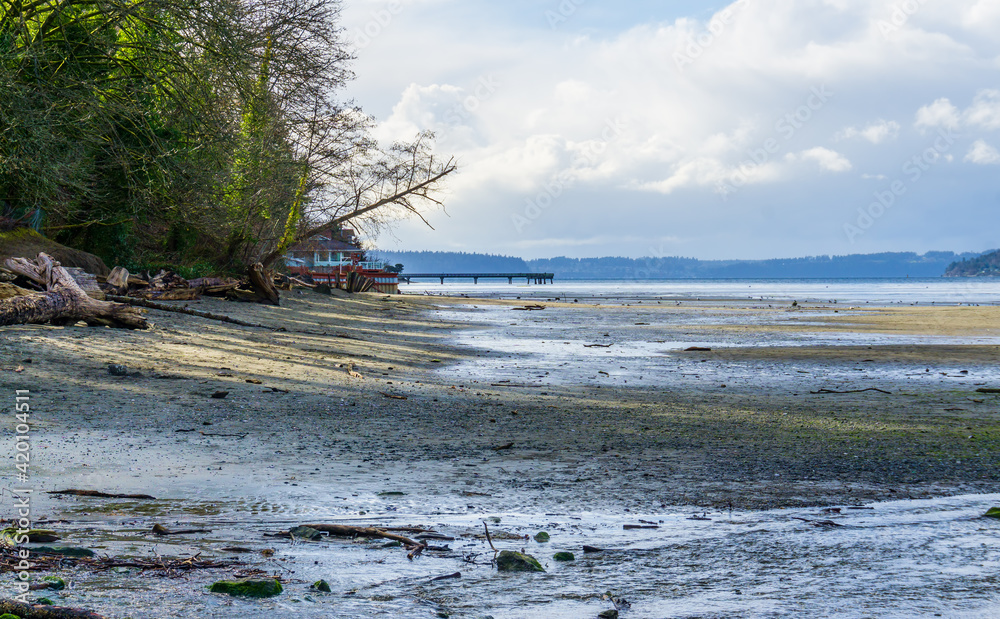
<point>66,551</point>
<point>564,556</point>
<point>261,588</point>
<point>321,585</point>
<point>510,561</point>
<point>541,537</point>
<point>55,583</point>
<point>993,512</point>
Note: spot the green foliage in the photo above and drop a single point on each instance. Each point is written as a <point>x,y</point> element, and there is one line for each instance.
<point>189,131</point>
<point>187,271</point>
<point>126,128</point>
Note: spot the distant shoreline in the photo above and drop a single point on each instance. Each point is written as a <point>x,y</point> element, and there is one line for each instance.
<point>879,265</point>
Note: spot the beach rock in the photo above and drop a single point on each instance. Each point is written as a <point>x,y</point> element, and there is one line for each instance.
<point>564,556</point>
<point>13,537</point>
<point>541,537</point>
<point>55,583</point>
<point>116,369</point>
<point>993,512</point>
<point>256,588</point>
<point>510,561</point>
<point>321,585</point>
<point>308,533</point>
<point>65,551</point>
<point>609,614</point>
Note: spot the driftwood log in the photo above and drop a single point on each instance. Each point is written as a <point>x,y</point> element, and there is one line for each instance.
<point>169,294</point>
<point>263,284</point>
<point>118,280</point>
<point>341,530</point>
<point>64,302</point>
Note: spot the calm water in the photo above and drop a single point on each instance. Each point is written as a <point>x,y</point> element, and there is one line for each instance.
<point>638,343</point>
<point>872,291</point>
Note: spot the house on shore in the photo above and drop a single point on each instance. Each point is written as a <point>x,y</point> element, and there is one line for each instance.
<point>331,256</point>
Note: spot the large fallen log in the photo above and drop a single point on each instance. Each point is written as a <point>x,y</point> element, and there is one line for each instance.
<point>40,611</point>
<point>64,302</point>
<point>9,291</point>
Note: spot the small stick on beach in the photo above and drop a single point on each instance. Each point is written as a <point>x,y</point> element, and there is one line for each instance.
<point>102,495</point>
<point>488,538</point>
<point>853,391</point>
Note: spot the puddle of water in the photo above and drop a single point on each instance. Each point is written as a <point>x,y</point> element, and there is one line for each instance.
<point>573,347</point>
<point>896,559</point>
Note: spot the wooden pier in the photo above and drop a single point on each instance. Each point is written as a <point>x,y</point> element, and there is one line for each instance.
<point>537,278</point>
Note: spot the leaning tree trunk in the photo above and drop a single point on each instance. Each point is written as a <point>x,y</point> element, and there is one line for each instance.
<point>64,302</point>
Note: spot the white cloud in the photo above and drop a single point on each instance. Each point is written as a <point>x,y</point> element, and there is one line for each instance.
<point>742,111</point>
<point>983,113</point>
<point>985,110</point>
<point>941,113</point>
<point>983,15</point>
<point>983,154</point>
<point>876,132</point>
<point>827,159</point>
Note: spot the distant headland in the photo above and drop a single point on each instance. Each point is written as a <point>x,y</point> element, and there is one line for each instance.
<point>985,265</point>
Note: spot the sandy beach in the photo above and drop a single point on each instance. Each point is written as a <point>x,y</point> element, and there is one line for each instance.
<point>360,397</point>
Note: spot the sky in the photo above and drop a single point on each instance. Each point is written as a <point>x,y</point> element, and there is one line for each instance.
<point>756,129</point>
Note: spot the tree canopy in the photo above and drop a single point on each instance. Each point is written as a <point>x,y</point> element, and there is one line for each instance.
<point>192,131</point>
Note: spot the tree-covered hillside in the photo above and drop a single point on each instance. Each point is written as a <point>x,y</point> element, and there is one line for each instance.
<point>986,265</point>
<point>897,264</point>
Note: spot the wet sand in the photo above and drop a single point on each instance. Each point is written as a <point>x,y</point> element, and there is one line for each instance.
<point>299,438</point>
<point>715,446</point>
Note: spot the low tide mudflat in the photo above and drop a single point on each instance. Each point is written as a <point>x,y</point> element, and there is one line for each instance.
<point>604,419</point>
